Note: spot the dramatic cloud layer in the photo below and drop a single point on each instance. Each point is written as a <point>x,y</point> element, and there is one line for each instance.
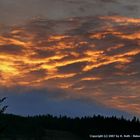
<point>17,11</point>
<point>96,58</point>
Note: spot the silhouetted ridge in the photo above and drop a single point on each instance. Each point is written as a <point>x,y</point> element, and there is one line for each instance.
<point>37,126</point>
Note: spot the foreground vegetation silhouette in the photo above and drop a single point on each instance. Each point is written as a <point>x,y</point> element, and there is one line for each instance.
<point>36,126</point>
<point>2,110</point>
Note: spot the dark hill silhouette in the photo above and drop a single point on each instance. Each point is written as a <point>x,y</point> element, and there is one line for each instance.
<point>37,126</point>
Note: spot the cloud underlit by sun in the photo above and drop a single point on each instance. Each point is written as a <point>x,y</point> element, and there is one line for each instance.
<point>97,58</point>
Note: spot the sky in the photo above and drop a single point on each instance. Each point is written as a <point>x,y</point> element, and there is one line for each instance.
<point>70,57</point>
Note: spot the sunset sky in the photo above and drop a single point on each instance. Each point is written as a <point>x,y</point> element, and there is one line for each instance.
<point>70,57</point>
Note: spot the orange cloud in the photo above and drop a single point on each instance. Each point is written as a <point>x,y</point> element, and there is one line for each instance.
<point>90,60</point>
<point>122,20</point>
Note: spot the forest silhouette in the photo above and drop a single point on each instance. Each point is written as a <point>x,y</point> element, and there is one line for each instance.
<point>14,127</point>
<point>36,126</point>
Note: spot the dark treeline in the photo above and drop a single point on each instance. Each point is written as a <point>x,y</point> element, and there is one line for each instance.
<point>36,126</point>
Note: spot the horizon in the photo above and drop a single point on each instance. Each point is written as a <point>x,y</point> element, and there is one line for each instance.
<point>70,57</point>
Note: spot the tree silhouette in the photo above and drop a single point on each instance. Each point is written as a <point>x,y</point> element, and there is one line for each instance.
<point>2,110</point>
<point>36,127</point>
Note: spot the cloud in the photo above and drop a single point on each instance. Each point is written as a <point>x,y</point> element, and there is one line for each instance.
<point>10,49</point>
<point>19,11</point>
<point>95,58</point>
<point>26,101</point>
